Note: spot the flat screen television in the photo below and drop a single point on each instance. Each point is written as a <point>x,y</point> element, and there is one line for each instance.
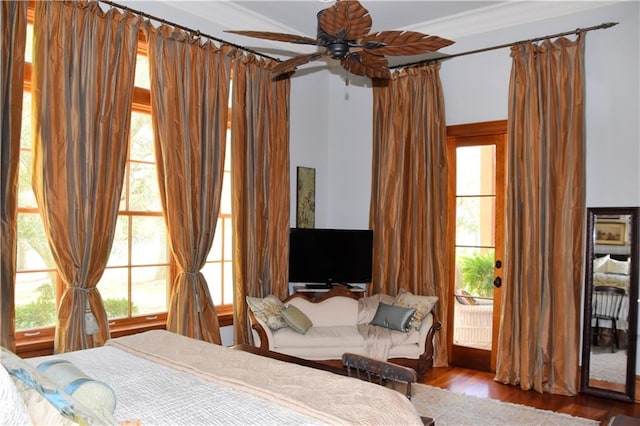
<point>325,257</point>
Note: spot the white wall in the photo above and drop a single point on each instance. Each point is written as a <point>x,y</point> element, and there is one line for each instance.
<point>476,90</point>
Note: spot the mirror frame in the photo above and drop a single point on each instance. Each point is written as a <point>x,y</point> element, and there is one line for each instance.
<point>629,393</point>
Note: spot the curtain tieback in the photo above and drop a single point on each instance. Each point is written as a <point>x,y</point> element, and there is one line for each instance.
<point>90,321</point>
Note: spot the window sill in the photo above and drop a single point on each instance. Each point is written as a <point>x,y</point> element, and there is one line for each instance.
<point>42,346</point>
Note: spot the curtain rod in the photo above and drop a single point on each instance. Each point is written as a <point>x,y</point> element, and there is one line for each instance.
<point>197,32</point>
<point>502,46</point>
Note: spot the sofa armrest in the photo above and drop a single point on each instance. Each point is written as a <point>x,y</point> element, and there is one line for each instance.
<point>264,333</point>
<point>425,361</point>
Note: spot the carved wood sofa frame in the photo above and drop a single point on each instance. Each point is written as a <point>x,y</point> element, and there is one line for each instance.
<point>421,365</point>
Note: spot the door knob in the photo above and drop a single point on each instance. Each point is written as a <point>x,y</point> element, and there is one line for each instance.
<point>498,264</point>
<point>497,282</point>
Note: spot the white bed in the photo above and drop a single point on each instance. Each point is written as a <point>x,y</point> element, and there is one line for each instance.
<point>163,378</point>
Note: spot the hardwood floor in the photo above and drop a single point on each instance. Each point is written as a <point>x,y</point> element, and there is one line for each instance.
<point>481,384</point>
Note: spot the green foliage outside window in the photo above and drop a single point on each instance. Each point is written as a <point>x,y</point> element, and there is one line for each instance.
<point>477,274</point>
<point>42,312</point>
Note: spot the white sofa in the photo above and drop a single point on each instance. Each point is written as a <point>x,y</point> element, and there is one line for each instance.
<point>335,317</point>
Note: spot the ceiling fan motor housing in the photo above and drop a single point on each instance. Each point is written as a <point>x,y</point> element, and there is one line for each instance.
<point>337,50</point>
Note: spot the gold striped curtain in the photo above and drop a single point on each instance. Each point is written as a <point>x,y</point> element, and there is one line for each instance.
<point>189,96</point>
<point>83,69</point>
<point>13,21</point>
<point>540,334</point>
<point>409,190</point>
<point>260,168</point>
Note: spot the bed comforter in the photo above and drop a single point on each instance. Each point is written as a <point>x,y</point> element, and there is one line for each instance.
<point>164,378</point>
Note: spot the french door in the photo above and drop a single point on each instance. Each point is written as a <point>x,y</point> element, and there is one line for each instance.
<point>476,211</point>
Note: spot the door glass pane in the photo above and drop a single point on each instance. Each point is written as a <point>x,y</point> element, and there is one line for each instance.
<point>475,218</point>
<point>475,170</point>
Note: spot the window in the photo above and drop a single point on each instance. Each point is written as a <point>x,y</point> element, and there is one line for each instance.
<point>136,283</point>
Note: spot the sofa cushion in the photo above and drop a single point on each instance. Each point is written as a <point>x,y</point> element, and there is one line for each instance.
<point>335,311</point>
<point>336,336</point>
<point>268,309</point>
<point>422,304</point>
<point>296,319</point>
<point>393,317</point>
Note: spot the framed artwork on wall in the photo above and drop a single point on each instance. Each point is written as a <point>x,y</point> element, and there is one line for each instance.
<point>611,233</point>
<point>306,202</point>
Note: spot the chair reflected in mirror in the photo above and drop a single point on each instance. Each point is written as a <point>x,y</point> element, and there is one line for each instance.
<point>607,304</point>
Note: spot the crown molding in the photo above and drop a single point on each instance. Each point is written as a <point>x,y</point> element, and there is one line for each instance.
<point>230,15</point>
<point>503,15</point>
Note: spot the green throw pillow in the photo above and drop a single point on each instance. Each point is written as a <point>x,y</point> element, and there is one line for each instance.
<point>422,304</point>
<point>393,317</point>
<point>296,319</point>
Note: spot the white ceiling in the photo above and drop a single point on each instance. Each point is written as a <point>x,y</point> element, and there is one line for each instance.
<point>449,19</point>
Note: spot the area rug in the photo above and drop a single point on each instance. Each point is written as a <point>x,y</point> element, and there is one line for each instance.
<point>609,366</point>
<point>450,408</point>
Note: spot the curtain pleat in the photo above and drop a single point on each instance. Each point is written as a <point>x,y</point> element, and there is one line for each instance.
<point>13,21</point>
<point>260,168</point>
<point>540,334</point>
<point>409,190</point>
<point>83,62</point>
<point>190,83</point>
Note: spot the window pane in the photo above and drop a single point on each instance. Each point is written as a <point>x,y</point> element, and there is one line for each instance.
<point>216,247</point>
<point>144,196</point>
<point>228,246</point>
<point>228,283</point>
<point>120,249</point>
<point>113,287</point>
<point>225,201</point>
<point>474,221</point>
<point>475,166</point>
<point>33,247</point>
<point>28,51</point>
<point>142,72</point>
<point>26,197</point>
<point>141,138</point>
<point>149,245</point>
<point>149,289</point>
<point>212,273</point>
<point>25,125</point>
<point>35,300</point>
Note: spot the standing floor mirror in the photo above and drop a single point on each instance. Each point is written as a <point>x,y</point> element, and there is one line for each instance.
<point>610,303</point>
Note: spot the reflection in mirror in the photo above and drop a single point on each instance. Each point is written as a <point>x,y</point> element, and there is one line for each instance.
<point>610,310</point>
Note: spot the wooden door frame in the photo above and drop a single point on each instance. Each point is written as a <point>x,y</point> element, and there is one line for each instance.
<point>461,135</point>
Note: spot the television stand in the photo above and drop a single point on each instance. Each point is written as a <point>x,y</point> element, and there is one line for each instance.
<point>318,286</point>
<point>316,293</point>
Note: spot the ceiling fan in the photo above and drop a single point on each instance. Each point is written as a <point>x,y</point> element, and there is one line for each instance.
<point>343,32</point>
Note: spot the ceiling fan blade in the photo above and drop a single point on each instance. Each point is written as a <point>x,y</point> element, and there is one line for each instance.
<point>289,38</point>
<point>345,20</point>
<point>398,43</point>
<point>366,64</point>
<point>293,63</point>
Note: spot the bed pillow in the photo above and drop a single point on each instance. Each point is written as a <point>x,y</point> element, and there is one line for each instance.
<point>422,304</point>
<point>600,264</point>
<point>393,317</point>
<point>94,394</point>
<point>620,267</point>
<point>268,310</point>
<point>13,410</point>
<point>296,319</point>
<point>45,402</point>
